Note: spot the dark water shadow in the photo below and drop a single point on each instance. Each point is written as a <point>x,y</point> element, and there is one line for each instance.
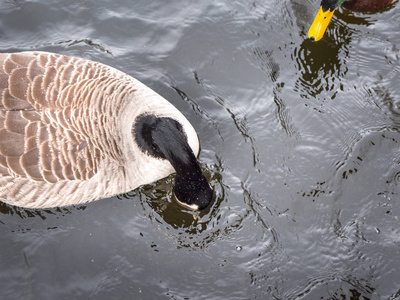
<point>85,42</point>
<point>26,213</point>
<point>265,60</point>
<point>389,103</point>
<point>320,67</point>
<point>261,213</point>
<point>345,16</point>
<point>18,220</point>
<point>337,287</point>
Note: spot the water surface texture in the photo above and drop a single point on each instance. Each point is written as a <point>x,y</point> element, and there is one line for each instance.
<point>299,140</point>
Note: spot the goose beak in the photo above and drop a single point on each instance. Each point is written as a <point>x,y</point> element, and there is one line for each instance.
<point>199,198</point>
<point>320,24</point>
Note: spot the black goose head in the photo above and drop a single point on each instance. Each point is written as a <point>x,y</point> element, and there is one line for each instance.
<point>163,137</point>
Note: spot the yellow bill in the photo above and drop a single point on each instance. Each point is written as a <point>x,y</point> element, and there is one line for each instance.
<point>320,24</point>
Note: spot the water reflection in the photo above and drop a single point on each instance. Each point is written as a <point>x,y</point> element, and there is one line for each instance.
<point>321,68</point>
<point>350,287</point>
<point>237,116</point>
<point>372,151</point>
<point>88,42</point>
<point>283,112</point>
<point>348,17</point>
<point>43,214</point>
<point>389,103</point>
<point>267,62</point>
<point>305,199</point>
<point>196,107</point>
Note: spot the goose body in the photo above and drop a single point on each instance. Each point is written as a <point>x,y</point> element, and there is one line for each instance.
<point>73,131</point>
<point>328,7</point>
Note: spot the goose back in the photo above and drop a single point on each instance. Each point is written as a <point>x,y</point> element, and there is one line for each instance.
<point>66,130</point>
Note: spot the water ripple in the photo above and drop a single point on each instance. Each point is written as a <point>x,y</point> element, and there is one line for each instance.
<point>320,70</point>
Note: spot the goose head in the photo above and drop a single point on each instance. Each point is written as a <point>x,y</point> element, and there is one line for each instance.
<point>164,138</point>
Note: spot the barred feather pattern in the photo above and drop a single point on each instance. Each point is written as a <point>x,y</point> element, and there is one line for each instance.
<point>65,130</point>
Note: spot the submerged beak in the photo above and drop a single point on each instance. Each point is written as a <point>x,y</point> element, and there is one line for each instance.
<point>320,24</point>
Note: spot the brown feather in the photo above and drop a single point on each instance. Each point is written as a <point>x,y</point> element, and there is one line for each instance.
<point>366,5</point>
<point>65,130</point>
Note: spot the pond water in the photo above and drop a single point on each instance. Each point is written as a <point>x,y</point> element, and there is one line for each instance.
<point>300,141</point>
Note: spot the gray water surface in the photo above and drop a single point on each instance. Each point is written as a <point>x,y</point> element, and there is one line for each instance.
<point>299,140</point>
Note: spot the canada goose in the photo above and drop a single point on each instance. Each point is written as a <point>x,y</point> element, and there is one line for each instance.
<point>73,131</point>
<point>328,7</point>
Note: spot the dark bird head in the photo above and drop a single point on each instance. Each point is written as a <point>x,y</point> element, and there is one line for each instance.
<point>164,138</point>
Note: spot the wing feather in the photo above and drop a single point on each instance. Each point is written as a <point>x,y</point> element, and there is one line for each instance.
<point>39,136</point>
